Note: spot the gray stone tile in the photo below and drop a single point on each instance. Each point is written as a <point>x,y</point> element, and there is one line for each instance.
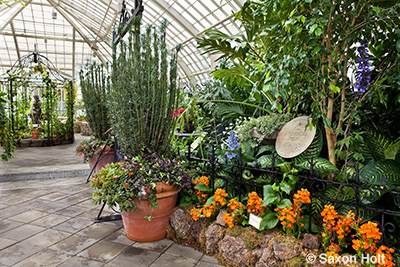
<point>28,216</point>
<point>74,244</point>
<point>207,264</point>
<point>46,257</point>
<point>46,238</point>
<point>98,230</point>
<point>75,199</point>
<point>88,204</point>
<point>72,225</point>
<point>71,211</point>
<point>91,213</point>
<point>103,251</point>
<point>158,246</point>
<point>5,242</point>
<point>55,196</point>
<point>50,220</point>
<point>7,224</point>
<point>16,253</point>
<point>11,211</point>
<point>171,260</point>
<point>22,232</point>
<point>79,261</point>
<point>134,257</point>
<point>184,251</point>
<point>119,237</point>
<point>49,206</point>
<point>209,259</point>
<point>12,200</point>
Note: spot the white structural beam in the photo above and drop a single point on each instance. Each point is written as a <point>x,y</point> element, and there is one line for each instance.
<point>14,14</point>
<point>48,37</point>
<point>172,12</point>
<point>15,39</point>
<point>94,34</point>
<point>59,10</point>
<point>239,2</point>
<point>73,53</point>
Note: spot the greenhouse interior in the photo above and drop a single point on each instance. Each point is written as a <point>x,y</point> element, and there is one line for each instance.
<point>200,133</point>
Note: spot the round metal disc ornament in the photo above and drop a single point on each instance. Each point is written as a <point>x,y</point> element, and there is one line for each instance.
<point>294,138</point>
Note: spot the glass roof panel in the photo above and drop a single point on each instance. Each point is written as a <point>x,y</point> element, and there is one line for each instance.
<point>80,31</point>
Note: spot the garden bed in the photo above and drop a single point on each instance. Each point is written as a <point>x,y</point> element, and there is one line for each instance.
<point>243,246</point>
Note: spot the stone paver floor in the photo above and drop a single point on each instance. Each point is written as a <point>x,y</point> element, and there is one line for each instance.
<point>49,222</point>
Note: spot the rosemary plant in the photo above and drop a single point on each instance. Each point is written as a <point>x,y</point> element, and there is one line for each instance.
<point>144,94</point>
<point>95,88</point>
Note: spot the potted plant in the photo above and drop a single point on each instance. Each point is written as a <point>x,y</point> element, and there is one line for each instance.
<point>34,131</point>
<point>145,189</point>
<point>142,102</point>
<point>95,89</point>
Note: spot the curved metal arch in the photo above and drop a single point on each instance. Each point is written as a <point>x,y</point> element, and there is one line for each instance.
<point>173,13</point>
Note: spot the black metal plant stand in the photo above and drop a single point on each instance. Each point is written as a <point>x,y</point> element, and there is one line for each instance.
<point>118,157</point>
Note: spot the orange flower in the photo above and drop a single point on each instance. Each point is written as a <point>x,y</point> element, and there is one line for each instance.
<point>254,204</point>
<point>219,197</point>
<point>302,196</point>
<point>385,258</point>
<point>228,219</point>
<point>195,214</point>
<point>370,231</point>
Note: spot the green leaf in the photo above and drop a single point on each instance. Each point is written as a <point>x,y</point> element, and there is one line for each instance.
<point>285,187</point>
<point>202,187</point>
<point>398,45</point>
<point>318,31</point>
<point>210,200</point>
<point>316,50</point>
<point>284,203</point>
<point>313,150</point>
<point>374,173</point>
<point>377,143</point>
<point>266,148</point>
<point>313,27</point>
<point>392,150</point>
<point>321,166</point>
<point>269,221</point>
<point>334,88</point>
<point>265,161</point>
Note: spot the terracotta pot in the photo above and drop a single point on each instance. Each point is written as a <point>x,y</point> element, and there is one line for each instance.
<point>35,134</point>
<point>108,156</point>
<point>138,228</point>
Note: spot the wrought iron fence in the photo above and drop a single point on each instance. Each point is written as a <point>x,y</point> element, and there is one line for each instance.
<point>352,194</point>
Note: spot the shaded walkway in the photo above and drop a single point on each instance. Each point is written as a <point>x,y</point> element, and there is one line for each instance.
<point>44,162</point>
<point>49,222</point>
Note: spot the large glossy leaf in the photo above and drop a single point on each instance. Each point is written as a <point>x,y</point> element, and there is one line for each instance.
<point>375,173</point>
<point>320,165</point>
<point>377,143</point>
<point>370,196</point>
<point>313,150</point>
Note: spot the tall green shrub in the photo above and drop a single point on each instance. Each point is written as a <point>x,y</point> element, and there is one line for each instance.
<point>144,94</point>
<point>95,89</point>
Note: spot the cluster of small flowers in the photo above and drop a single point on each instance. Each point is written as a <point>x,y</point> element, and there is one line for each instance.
<point>210,210</point>
<point>254,205</point>
<point>364,241</point>
<point>201,196</point>
<point>363,78</point>
<point>237,212</point>
<point>289,216</point>
<point>232,144</point>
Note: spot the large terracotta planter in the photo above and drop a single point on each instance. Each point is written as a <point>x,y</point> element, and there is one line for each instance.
<point>35,134</point>
<point>138,228</point>
<point>107,157</point>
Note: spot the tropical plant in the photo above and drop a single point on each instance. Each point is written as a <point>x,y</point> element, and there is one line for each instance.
<point>305,52</point>
<point>120,183</point>
<point>95,93</point>
<point>144,94</point>
<point>6,137</point>
<point>89,147</point>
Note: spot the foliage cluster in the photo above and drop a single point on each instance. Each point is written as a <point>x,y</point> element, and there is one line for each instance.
<point>260,128</point>
<point>89,147</point>
<point>120,183</point>
<point>144,94</point>
<point>95,88</point>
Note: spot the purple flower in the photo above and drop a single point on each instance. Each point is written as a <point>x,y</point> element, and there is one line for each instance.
<point>363,77</point>
<point>232,145</point>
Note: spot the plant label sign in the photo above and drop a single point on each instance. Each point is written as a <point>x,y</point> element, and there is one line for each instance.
<point>295,137</point>
<point>255,221</point>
